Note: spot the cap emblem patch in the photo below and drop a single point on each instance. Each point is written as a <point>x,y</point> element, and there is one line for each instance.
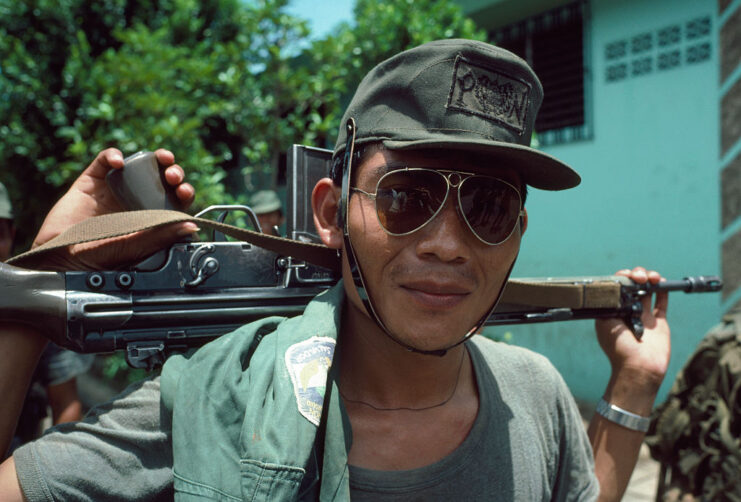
<point>489,94</point>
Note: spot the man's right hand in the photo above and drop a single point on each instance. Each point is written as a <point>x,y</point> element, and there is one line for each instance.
<point>90,196</point>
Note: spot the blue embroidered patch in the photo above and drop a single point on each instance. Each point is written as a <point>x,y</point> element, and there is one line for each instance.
<point>308,363</point>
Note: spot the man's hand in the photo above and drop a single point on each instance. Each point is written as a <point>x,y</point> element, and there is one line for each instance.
<point>646,359</point>
<point>638,367</point>
<point>90,196</point>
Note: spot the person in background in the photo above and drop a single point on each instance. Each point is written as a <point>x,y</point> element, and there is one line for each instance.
<point>54,383</point>
<point>7,228</point>
<point>269,211</point>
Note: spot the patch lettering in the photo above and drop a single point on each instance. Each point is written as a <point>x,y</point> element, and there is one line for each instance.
<point>308,363</point>
<point>489,94</point>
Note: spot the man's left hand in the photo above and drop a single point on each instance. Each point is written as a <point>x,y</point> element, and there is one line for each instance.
<point>645,360</point>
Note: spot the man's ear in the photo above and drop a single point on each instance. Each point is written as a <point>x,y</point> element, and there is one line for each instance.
<point>325,202</point>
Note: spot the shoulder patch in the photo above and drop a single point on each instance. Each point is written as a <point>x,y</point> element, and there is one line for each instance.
<point>488,93</point>
<point>308,363</point>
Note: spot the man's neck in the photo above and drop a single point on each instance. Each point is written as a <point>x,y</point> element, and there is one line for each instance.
<point>407,410</point>
<point>378,371</point>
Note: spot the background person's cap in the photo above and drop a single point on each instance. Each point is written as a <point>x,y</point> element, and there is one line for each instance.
<point>6,208</point>
<point>265,201</point>
<point>461,95</point>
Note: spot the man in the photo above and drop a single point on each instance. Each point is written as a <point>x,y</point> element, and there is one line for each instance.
<point>267,207</point>
<point>377,391</point>
<point>55,379</point>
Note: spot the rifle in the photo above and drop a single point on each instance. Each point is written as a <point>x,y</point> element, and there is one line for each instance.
<point>193,292</point>
<point>153,313</point>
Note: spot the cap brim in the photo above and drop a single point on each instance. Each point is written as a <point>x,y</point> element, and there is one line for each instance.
<point>536,168</point>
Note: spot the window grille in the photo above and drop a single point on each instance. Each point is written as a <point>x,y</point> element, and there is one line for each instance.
<point>659,50</point>
<point>553,44</point>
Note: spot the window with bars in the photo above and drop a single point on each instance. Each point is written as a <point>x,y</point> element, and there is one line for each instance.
<point>553,44</point>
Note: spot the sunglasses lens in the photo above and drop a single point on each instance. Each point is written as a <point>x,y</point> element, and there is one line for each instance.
<point>490,206</point>
<point>406,200</point>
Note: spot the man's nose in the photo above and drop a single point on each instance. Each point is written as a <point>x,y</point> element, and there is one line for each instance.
<point>447,237</point>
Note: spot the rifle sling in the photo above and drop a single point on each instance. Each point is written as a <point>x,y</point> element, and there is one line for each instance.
<point>128,222</point>
<point>600,294</point>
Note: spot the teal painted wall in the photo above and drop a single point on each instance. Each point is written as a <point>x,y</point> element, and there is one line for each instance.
<point>649,194</point>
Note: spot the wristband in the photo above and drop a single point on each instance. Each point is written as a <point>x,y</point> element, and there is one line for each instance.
<point>622,417</point>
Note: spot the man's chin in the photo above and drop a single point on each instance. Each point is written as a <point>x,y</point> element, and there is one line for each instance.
<point>430,336</point>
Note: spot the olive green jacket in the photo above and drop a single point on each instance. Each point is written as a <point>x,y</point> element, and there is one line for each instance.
<point>246,409</point>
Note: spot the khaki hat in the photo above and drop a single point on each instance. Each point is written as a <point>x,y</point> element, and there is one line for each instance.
<point>6,208</point>
<point>265,201</point>
<point>460,95</point>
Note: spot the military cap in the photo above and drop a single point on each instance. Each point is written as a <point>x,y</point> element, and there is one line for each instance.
<point>460,95</point>
<point>265,201</point>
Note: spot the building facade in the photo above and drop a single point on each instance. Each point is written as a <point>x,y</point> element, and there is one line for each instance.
<point>643,99</point>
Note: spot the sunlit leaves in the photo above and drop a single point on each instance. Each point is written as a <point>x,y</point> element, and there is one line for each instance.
<point>228,85</point>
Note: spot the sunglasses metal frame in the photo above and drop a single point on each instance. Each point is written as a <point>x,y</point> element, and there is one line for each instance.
<point>446,175</point>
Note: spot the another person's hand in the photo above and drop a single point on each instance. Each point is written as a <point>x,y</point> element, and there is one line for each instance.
<point>90,196</point>
<point>644,360</point>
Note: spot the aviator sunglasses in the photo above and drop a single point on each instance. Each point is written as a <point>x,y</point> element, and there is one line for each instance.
<point>407,199</point>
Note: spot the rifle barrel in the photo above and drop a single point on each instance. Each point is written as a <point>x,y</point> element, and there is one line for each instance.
<point>695,284</point>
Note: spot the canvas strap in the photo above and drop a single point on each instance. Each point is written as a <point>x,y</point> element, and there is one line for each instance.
<point>128,222</point>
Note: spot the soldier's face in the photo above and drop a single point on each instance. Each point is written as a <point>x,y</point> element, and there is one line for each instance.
<point>270,220</point>
<point>432,285</point>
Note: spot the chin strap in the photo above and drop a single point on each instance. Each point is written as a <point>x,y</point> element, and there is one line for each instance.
<point>357,274</point>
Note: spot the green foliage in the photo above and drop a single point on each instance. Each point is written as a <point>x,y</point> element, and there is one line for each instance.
<point>221,83</point>
<point>380,30</point>
<point>115,370</point>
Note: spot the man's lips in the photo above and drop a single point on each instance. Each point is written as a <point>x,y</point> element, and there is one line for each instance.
<point>435,294</point>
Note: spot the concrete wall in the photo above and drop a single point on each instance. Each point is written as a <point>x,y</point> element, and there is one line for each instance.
<point>730,145</point>
<point>650,190</point>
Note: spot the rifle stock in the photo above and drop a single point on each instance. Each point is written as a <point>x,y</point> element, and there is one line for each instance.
<point>33,298</point>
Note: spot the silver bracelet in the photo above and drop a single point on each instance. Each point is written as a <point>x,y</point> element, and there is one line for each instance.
<point>622,417</point>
